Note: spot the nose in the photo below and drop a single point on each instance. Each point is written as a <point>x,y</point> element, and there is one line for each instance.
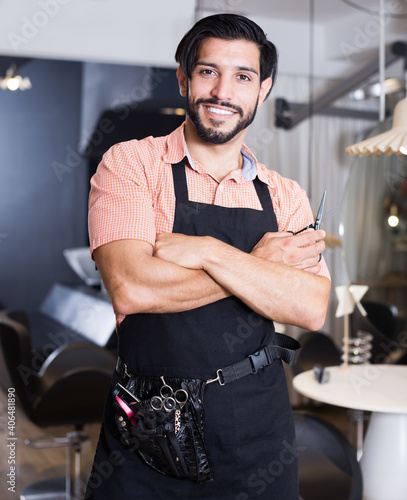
<point>222,89</point>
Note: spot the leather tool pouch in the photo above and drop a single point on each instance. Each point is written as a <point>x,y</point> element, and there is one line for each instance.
<point>171,441</point>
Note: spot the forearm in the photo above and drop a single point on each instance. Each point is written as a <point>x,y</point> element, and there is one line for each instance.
<point>163,287</point>
<point>280,284</point>
<point>138,282</point>
<point>274,290</point>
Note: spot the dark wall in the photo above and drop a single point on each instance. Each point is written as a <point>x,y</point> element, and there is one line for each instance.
<point>42,189</point>
<point>44,172</point>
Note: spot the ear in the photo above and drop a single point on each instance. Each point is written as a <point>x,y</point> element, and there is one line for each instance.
<point>182,82</point>
<point>264,90</point>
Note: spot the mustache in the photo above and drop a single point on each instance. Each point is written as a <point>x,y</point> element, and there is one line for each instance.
<point>219,103</point>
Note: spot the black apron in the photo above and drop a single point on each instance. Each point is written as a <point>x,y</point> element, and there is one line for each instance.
<point>249,427</point>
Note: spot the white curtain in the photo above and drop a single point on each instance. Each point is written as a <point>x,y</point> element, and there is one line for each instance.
<point>313,154</point>
<point>375,182</point>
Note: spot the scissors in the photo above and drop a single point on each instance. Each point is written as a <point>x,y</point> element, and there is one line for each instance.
<point>315,225</point>
<point>168,399</point>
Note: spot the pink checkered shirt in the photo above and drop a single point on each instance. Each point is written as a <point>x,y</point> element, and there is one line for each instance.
<point>132,193</point>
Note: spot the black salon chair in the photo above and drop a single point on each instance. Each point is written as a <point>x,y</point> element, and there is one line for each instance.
<point>384,324</point>
<point>328,467</point>
<point>384,316</point>
<point>317,348</point>
<point>68,389</point>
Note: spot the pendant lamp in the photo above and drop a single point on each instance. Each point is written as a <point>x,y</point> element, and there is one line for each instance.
<point>394,141</point>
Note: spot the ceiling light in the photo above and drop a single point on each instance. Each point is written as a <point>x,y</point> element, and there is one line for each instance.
<point>13,81</point>
<point>394,141</point>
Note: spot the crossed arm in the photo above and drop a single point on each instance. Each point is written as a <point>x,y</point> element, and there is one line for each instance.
<point>277,279</point>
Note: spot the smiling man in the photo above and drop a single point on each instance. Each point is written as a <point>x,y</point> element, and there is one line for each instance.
<point>194,240</point>
<point>220,65</point>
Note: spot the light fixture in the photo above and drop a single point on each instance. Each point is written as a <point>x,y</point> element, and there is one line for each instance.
<point>391,86</point>
<point>13,81</point>
<point>393,220</point>
<point>393,141</point>
<point>173,111</point>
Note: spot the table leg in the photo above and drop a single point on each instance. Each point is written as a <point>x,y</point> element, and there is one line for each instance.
<point>384,460</point>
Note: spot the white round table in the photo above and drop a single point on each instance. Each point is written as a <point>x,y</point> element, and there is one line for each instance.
<point>381,389</point>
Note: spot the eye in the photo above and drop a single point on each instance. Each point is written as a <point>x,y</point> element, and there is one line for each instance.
<point>207,72</point>
<point>243,78</point>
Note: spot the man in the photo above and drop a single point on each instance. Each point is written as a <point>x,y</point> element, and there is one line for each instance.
<point>194,241</point>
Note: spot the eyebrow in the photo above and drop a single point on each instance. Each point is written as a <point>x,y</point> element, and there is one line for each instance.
<point>239,68</point>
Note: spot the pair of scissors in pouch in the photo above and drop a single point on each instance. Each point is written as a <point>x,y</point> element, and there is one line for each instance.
<point>317,223</point>
<point>169,400</point>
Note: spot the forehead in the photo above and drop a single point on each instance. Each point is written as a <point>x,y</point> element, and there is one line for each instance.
<point>229,53</point>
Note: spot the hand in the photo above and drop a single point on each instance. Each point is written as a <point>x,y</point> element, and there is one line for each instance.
<point>301,250</point>
<point>183,250</point>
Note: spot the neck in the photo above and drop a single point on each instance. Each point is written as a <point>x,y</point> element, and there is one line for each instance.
<point>218,159</point>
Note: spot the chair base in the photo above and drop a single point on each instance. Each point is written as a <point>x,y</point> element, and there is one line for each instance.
<point>64,488</point>
<point>50,489</point>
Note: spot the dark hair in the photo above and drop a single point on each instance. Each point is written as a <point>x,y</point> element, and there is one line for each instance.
<point>227,27</point>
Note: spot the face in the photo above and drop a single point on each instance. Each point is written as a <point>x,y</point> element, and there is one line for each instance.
<point>224,90</point>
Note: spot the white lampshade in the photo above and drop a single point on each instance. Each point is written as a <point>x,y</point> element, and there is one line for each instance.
<point>394,141</point>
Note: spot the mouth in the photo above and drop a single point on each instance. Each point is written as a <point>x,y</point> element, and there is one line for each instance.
<point>219,111</point>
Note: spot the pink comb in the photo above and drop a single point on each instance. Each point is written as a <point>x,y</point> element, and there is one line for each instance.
<point>127,410</point>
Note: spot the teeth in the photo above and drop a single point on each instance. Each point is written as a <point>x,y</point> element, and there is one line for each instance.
<point>220,111</point>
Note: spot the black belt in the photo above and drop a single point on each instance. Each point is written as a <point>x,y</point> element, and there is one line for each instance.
<point>287,349</point>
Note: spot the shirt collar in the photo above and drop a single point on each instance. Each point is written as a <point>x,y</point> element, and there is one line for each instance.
<point>177,150</point>
<point>176,146</point>
<point>249,169</point>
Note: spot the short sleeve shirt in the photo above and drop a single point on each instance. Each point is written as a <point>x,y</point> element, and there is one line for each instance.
<point>132,193</point>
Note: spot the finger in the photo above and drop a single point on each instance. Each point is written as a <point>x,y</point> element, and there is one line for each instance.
<point>313,269</point>
<point>315,250</point>
<point>320,234</point>
<point>309,257</point>
<point>310,237</point>
<point>318,247</point>
<point>305,256</point>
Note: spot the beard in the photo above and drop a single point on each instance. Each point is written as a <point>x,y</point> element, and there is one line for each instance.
<point>212,135</point>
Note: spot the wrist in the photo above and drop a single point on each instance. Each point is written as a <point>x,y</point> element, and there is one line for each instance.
<point>215,253</point>
<point>208,251</point>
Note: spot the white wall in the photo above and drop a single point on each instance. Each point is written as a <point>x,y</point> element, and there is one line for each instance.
<point>146,33</point>
<point>121,31</point>
<point>340,47</point>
